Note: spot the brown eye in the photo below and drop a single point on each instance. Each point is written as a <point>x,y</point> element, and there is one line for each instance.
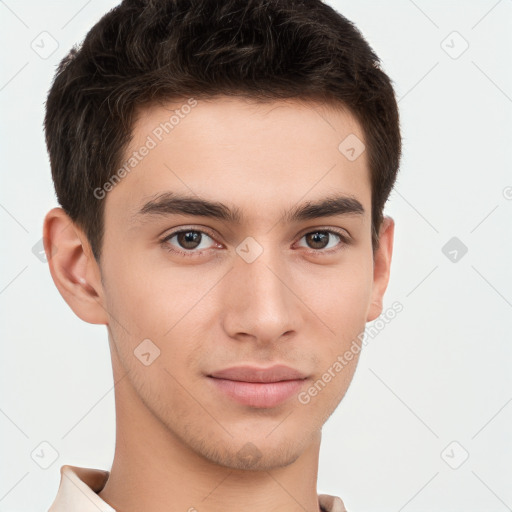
<point>318,240</point>
<point>188,241</point>
<point>324,240</point>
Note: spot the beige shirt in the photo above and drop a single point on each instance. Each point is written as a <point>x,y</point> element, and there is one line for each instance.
<point>79,488</point>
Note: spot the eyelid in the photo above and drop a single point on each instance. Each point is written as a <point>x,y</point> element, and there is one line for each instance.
<point>345,239</point>
<point>343,233</point>
<point>176,231</point>
<point>340,232</point>
<point>201,229</point>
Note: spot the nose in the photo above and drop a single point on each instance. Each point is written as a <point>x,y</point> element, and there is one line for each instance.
<point>259,300</point>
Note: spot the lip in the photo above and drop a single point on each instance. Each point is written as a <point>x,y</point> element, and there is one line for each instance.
<point>258,387</point>
<point>247,373</point>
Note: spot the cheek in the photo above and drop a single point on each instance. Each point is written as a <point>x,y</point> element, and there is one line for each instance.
<point>151,300</point>
<point>167,306</point>
<point>341,297</point>
<point>342,304</point>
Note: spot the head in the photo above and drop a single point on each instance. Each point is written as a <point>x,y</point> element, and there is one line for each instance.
<point>267,133</point>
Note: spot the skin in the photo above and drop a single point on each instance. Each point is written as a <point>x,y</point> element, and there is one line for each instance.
<point>178,437</point>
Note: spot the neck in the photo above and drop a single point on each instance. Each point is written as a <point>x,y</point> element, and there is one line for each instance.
<point>154,470</point>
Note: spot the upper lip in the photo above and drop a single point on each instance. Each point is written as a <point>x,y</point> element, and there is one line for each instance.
<point>275,373</point>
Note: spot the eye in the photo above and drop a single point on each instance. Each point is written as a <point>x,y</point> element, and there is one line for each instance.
<point>193,242</point>
<point>188,242</point>
<point>325,240</point>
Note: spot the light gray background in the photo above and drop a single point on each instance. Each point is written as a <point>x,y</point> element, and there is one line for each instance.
<point>438,373</point>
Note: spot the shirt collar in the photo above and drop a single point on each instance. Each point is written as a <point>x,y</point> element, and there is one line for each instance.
<point>79,488</point>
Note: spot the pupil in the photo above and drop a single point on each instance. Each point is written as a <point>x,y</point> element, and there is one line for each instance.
<point>189,239</point>
<point>319,239</point>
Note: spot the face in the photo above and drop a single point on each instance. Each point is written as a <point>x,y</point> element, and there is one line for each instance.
<point>244,305</point>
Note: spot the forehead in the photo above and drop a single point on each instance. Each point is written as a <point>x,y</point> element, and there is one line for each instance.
<point>237,151</point>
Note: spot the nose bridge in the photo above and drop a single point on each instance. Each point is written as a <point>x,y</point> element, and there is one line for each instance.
<point>261,303</point>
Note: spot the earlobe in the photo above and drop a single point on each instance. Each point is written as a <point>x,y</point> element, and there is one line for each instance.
<point>74,270</point>
<point>381,267</point>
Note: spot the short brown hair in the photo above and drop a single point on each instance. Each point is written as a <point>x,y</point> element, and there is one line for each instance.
<point>144,51</point>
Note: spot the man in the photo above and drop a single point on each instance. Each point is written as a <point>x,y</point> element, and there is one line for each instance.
<point>222,169</point>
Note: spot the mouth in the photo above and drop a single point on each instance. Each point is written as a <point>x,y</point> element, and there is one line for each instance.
<point>256,387</point>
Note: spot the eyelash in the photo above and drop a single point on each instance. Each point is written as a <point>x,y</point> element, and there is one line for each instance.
<point>344,240</point>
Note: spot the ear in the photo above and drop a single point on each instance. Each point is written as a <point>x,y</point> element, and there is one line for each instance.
<point>74,270</point>
<point>381,267</point>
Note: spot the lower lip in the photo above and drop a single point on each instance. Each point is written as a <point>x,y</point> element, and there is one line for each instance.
<point>259,394</point>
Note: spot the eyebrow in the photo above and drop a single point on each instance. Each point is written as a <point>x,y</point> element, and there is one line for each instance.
<point>171,203</point>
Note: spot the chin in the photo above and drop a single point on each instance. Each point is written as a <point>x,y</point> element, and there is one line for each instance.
<point>260,454</point>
